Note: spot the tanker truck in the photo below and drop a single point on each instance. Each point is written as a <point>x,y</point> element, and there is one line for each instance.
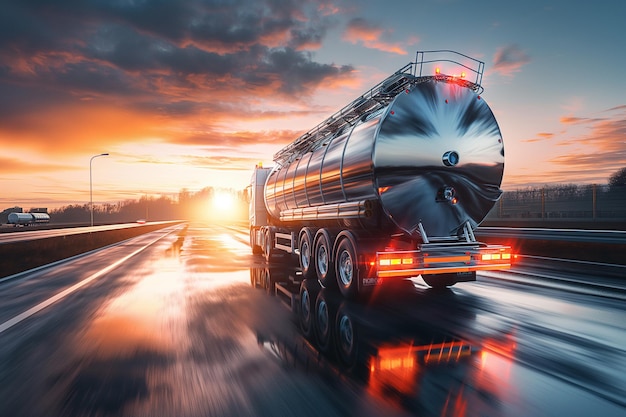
<point>27,219</point>
<point>392,186</point>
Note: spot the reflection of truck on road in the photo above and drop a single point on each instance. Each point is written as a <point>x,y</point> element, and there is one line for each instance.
<point>401,349</point>
<point>392,185</point>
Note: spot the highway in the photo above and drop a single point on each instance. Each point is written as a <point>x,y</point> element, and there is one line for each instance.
<point>176,322</point>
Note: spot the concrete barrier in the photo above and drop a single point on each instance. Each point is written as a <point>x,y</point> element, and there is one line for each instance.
<point>21,256</point>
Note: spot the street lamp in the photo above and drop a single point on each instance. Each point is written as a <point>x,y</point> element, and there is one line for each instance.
<point>91,186</point>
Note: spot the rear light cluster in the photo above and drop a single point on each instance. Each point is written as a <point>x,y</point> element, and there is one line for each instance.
<point>396,261</point>
<point>496,256</point>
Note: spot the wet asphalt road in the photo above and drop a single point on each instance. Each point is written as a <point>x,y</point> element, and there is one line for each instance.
<point>170,325</point>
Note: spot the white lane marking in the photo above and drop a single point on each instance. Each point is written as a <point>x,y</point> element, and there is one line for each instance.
<point>33,310</point>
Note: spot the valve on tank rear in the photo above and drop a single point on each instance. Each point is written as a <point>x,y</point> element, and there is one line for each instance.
<point>446,195</point>
<point>450,158</point>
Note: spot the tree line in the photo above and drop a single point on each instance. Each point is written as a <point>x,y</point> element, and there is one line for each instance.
<point>186,206</point>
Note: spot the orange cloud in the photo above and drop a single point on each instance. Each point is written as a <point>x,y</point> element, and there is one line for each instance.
<point>79,128</point>
<point>509,60</point>
<point>591,150</point>
<point>568,120</point>
<point>328,9</point>
<point>604,144</point>
<point>359,31</point>
<point>542,136</point>
<point>19,166</point>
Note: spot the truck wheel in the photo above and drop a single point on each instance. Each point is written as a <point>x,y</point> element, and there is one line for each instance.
<point>253,277</point>
<point>439,281</point>
<point>268,283</point>
<point>347,339</point>
<point>256,249</point>
<point>306,308</point>
<point>323,264</point>
<point>347,269</point>
<point>268,246</point>
<point>324,322</point>
<point>306,248</point>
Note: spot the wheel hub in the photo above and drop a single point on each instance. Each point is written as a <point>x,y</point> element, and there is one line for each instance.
<point>346,268</point>
<point>322,260</point>
<point>305,255</point>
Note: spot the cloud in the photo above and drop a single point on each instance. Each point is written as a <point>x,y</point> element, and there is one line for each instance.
<point>540,137</point>
<point>20,167</point>
<point>622,107</point>
<point>169,39</point>
<point>227,141</point>
<point>593,148</point>
<point>509,60</point>
<point>223,162</point>
<point>360,31</point>
<point>79,76</point>
<point>601,149</point>
<point>570,120</point>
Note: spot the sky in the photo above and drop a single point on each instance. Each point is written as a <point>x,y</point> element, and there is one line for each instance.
<point>188,94</point>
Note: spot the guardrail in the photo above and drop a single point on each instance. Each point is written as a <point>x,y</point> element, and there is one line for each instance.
<point>24,254</point>
<point>562,203</point>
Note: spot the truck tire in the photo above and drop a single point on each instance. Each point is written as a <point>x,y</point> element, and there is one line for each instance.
<point>346,334</point>
<point>322,258</point>
<point>267,282</point>
<point>256,249</point>
<point>306,307</point>
<point>347,270</point>
<point>305,245</point>
<point>324,322</point>
<point>269,246</point>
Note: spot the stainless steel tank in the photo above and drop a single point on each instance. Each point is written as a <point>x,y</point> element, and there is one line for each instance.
<point>20,218</point>
<point>433,155</point>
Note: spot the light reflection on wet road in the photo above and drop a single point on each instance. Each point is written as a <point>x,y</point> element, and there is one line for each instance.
<point>178,330</point>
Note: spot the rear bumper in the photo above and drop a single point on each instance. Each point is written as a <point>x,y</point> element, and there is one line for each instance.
<point>442,260</point>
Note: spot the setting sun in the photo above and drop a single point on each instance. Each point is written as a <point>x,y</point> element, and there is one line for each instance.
<point>223,201</point>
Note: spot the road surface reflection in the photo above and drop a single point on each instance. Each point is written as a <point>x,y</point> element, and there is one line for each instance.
<point>398,348</point>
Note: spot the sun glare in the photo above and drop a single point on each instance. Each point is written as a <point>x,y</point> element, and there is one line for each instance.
<point>223,201</point>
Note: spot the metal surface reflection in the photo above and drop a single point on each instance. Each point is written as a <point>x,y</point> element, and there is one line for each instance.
<point>436,134</point>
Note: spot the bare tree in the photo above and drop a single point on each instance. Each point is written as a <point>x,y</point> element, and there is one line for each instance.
<point>618,179</point>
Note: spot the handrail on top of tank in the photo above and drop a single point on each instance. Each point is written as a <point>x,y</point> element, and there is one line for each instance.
<point>478,70</point>
<point>377,97</point>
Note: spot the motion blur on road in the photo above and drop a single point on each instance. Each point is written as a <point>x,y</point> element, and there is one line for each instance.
<point>183,322</point>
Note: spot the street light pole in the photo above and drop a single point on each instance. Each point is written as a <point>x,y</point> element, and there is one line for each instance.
<point>91,186</point>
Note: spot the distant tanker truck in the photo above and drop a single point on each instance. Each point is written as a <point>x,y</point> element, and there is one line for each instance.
<point>391,186</point>
<point>27,219</point>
